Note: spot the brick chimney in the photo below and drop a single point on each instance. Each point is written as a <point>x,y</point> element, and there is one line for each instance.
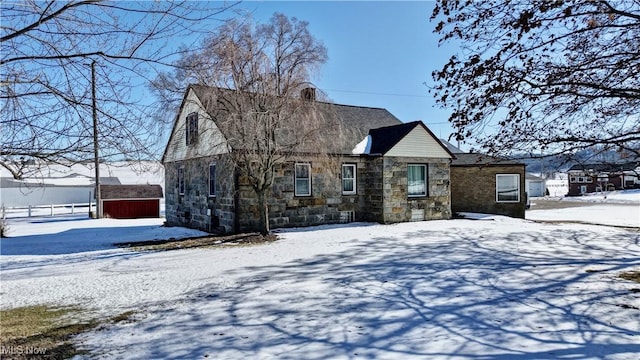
<point>308,94</point>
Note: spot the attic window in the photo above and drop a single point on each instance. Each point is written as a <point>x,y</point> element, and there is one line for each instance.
<point>192,128</point>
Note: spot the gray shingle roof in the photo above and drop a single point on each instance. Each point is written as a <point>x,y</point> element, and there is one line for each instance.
<point>356,121</point>
<point>110,192</point>
<point>471,159</point>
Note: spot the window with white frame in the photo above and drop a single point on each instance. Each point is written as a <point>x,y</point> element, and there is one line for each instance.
<point>192,129</point>
<point>181,180</point>
<point>348,179</point>
<point>302,175</point>
<point>212,180</point>
<point>508,187</point>
<point>417,180</point>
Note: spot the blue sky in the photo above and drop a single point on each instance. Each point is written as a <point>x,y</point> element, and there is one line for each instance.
<point>380,53</point>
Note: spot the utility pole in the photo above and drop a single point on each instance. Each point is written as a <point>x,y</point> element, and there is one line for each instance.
<point>95,138</point>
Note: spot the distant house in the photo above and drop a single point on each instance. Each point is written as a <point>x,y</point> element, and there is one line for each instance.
<point>387,172</point>
<point>130,201</point>
<point>588,178</point>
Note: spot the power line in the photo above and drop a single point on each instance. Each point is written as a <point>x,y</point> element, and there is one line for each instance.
<point>376,93</point>
<point>388,94</point>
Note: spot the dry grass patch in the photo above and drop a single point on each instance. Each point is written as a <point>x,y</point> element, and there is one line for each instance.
<point>204,241</point>
<point>44,332</point>
<point>631,275</point>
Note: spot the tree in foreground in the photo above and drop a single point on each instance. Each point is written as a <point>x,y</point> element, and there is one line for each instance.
<point>542,76</point>
<point>257,73</point>
<point>47,48</point>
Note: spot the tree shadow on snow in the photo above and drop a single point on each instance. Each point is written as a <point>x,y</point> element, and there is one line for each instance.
<point>71,241</point>
<point>463,296</point>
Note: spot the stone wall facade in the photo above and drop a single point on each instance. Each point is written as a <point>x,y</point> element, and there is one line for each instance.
<point>325,205</point>
<point>473,189</point>
<point>399,207</point>
<point>381,194</point>
<point>195,208</point>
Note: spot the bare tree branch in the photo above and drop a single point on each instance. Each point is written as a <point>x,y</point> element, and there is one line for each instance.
<point>45,51</point>
<point>558,76</point>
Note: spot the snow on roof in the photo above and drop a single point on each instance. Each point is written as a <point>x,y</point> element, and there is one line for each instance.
<point>121,172</point>
<point>363,147</point>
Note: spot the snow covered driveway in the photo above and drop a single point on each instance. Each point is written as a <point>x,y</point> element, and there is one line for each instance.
<point>462,289</point>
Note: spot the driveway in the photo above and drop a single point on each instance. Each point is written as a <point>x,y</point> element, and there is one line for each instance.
<point>545,204</point>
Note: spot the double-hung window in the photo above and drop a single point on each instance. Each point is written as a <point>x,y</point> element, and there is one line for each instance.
<point>302,178</point>
<point>192,129</point>
<point>181,180</point>
<point>348,179</point>
<point>508,188</point>
<point>212,180</point>
<point>417,180</point>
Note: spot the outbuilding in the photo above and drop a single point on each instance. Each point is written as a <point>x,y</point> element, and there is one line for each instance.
<point>535,186</point>
<point>130,201</point>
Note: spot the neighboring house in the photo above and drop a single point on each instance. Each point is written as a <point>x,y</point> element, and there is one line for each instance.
<point>558,186</point>
<point>535,186</point>
<point>130,201</point>
<point>588,178</point>
<point>486,184</point>
<point>399,172</point>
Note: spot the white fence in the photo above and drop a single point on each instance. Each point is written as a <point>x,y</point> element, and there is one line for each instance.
<point>49,210</point>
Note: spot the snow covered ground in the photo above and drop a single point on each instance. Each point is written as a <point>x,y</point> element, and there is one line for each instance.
<point>496,288</point>
<point>611,197</point>
<point>617,208</point>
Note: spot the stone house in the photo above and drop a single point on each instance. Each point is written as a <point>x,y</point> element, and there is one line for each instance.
<point>387,172</point>
<point>486,184</point>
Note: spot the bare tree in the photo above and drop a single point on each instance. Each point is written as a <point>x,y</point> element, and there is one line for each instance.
<point>257,73</point>
<point>46,51</point>
<point>552,76</point>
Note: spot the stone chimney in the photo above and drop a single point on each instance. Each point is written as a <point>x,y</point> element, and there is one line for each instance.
<point>308,94</point>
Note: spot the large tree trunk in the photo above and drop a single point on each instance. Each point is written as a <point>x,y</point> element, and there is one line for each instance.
<point>263,208</point>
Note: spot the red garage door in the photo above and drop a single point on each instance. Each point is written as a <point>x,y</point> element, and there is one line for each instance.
<point>131,209</point>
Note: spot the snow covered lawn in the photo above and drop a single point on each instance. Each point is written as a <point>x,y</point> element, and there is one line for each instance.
<point>496,288</point>
<point>616,208</point>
